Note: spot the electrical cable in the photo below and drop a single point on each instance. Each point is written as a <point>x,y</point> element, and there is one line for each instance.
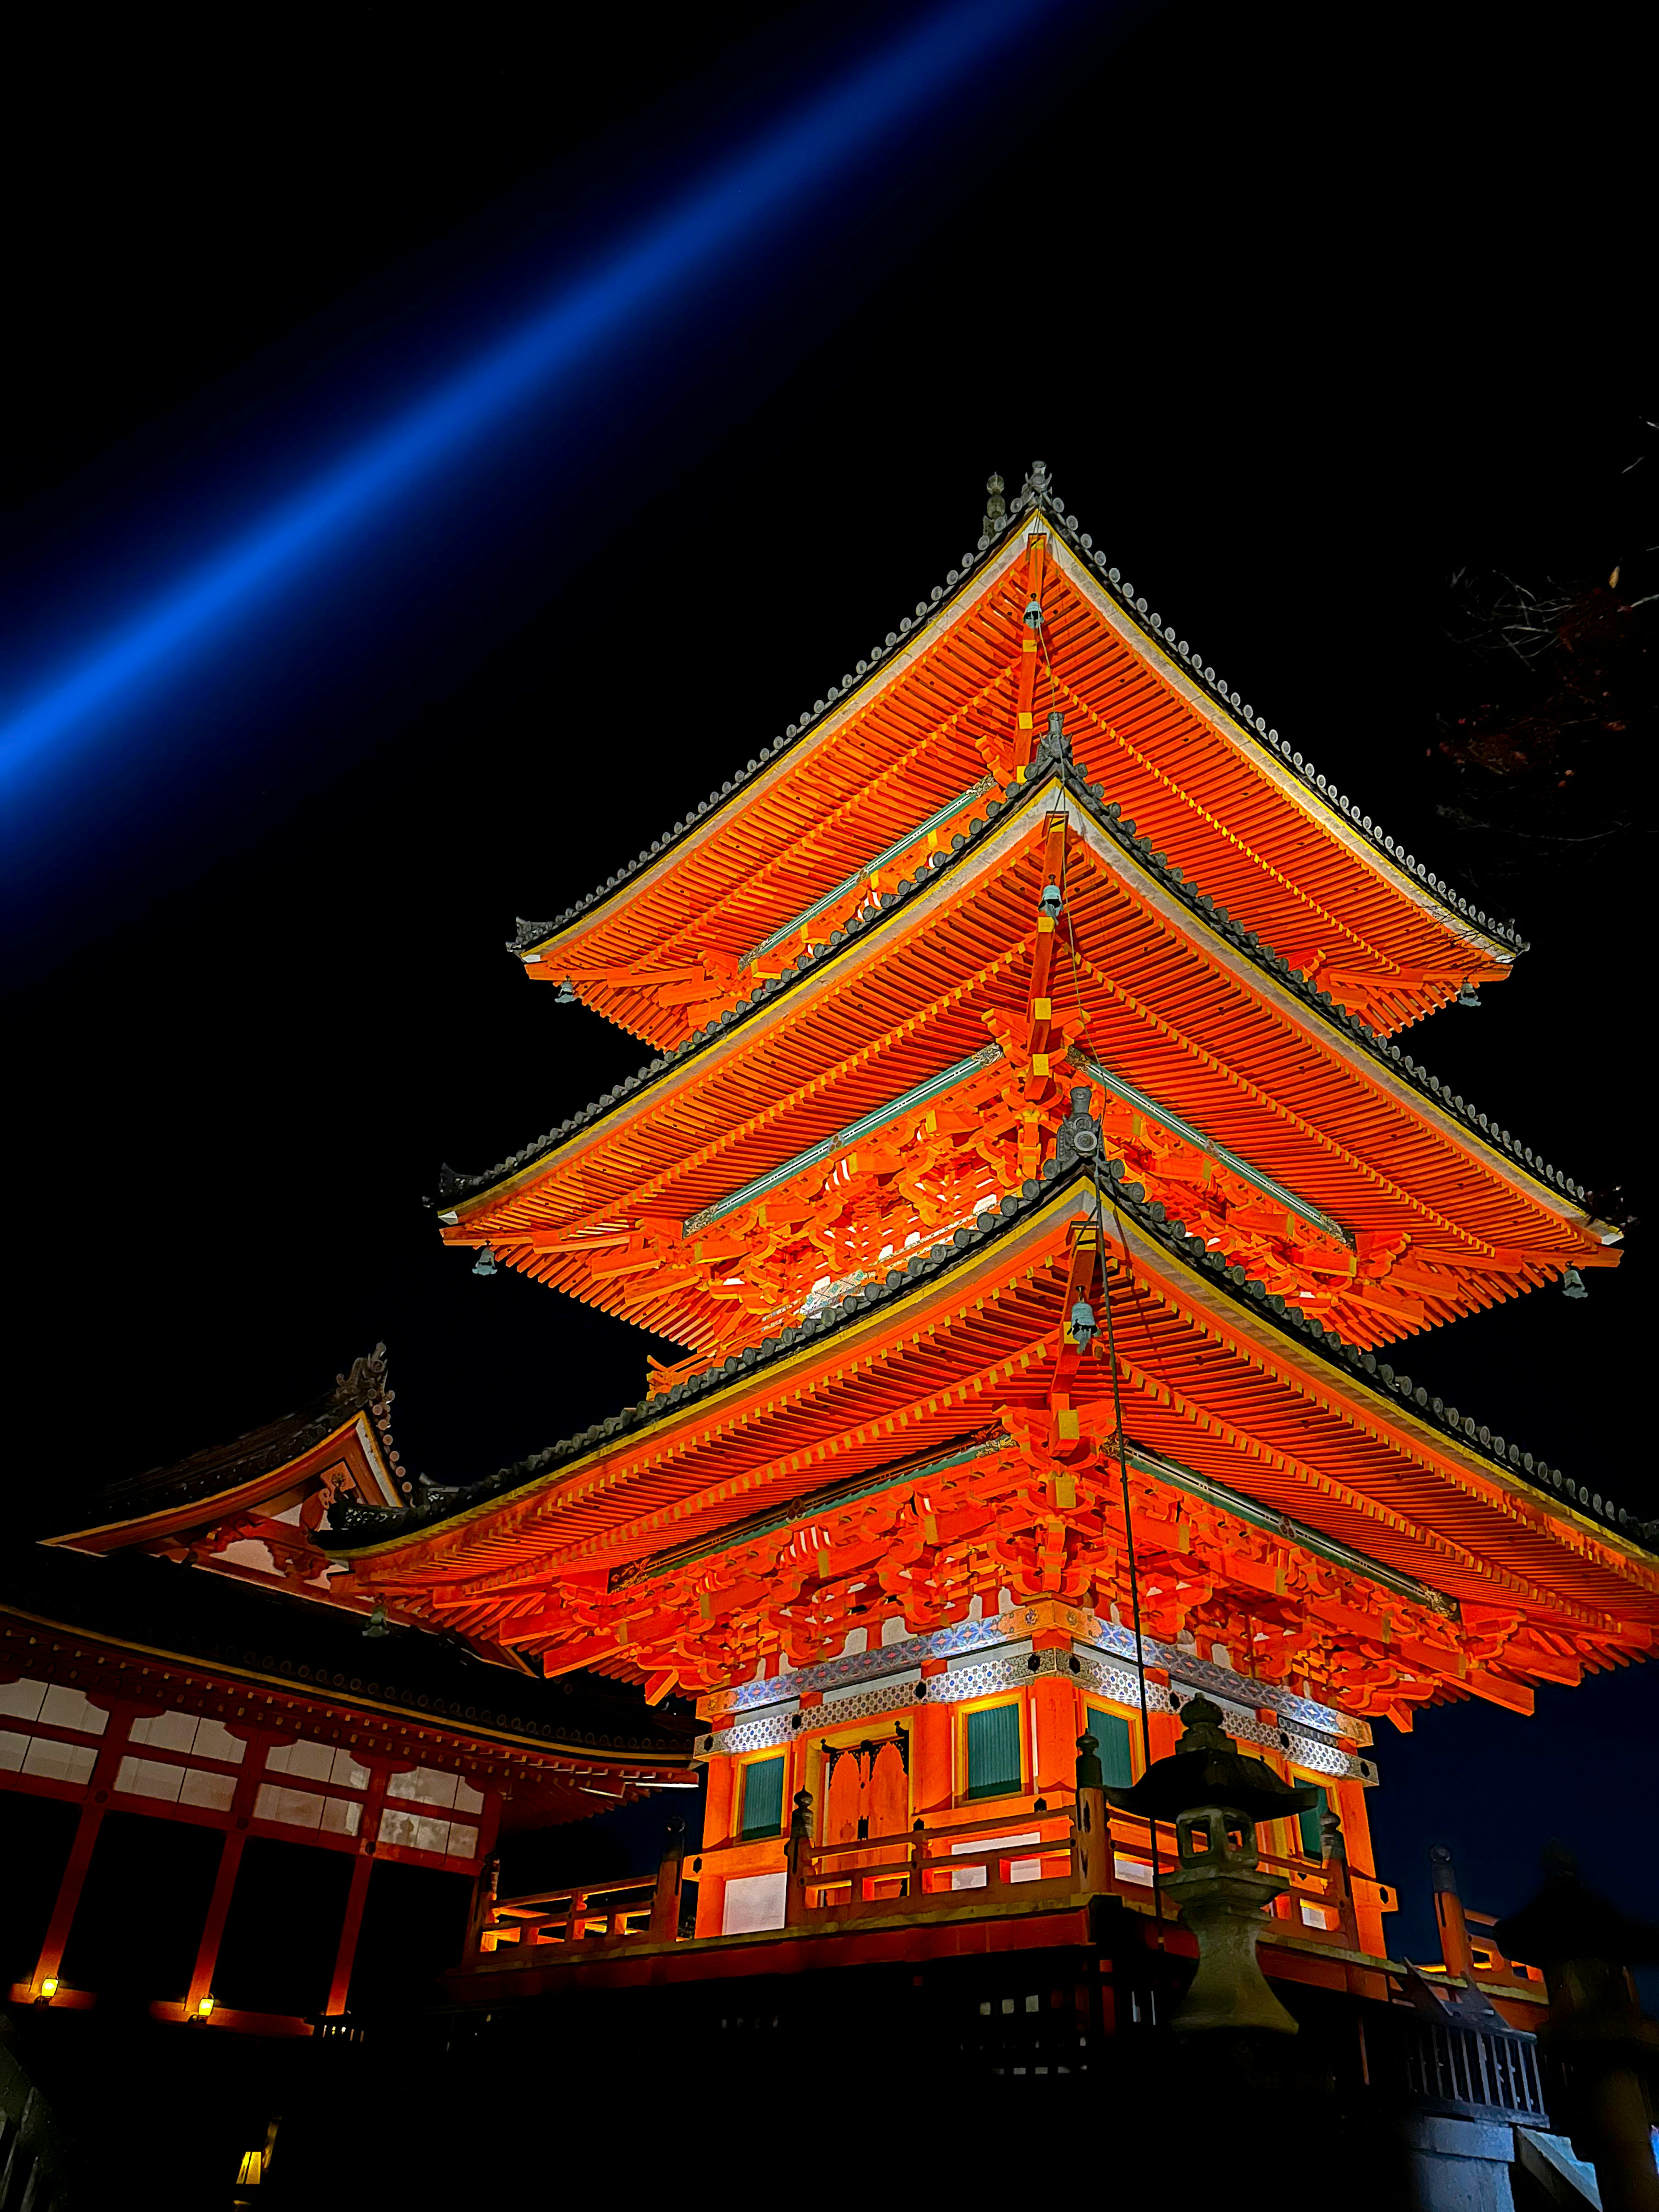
<point>1119,1443</point>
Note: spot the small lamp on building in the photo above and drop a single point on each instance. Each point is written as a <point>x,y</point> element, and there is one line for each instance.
<point>48,1989</point>
<point>1215,1795</point>
<point>204,2007</point>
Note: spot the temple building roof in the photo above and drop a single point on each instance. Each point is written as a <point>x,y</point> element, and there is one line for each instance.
<point>341,1439</point>
<point>215,1563</point>
<point>908,738</point>
<point>187,1617</point>
<point>636,1481</point>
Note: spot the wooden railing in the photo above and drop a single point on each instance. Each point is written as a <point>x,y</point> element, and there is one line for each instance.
<point>1023,1858</point>
<point>644,1909</point>
<point>1017,1861</point>
<point>936,1870</point>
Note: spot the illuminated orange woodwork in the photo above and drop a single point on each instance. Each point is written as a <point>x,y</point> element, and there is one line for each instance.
<point>950,709</point>
<point>1294,1144</point>
<point>1023,1057</point>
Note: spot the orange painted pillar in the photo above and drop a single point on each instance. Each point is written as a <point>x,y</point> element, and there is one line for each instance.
<point>230,1860</point>
<point>1455,1949</point>
<point>718,1813</point>
<point>717,1810</point>
<point>69,1895</point>
<point>1348,1800</point>
<point>99,1785</point>
<point>933,1780</point>
<point>351,1927</point>
<point>213,1928</point>
<point>1056,1726</point>
<point>1163,1728</point>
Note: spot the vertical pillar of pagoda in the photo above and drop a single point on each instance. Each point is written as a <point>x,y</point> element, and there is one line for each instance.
<point>1055,1724</point>
<point>932,1778</point>
<point>717,1820</point>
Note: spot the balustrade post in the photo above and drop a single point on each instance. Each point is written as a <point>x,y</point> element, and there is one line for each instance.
<point>797,1854</point>
<point>1333,1850</point>
<point>485,1890</point>
<point>665,1899</point>
<point>1091,1841</point>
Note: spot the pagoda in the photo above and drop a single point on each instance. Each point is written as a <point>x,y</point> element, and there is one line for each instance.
<point>1029,1163</point>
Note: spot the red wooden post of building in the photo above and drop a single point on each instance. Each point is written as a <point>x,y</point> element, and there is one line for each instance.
<point>230,1860</point>
<point>1455,1950</point>
<point>361,1866</point>
<point>356,1896</point>
<point>207,1951</point>
<point>98,1784</point>
<point>69,1895</point>
<point>665,1901</point>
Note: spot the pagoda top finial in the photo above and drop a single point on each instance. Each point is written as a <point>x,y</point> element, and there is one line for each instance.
<point>996,507</point>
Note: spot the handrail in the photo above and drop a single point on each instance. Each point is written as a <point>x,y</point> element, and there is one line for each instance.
<point>1015,1856</point>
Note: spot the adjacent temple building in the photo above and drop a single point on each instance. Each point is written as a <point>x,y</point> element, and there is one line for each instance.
<point>1028,1162</point>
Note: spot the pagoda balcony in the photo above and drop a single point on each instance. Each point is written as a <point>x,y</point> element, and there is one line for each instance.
<point>1023,1865</point>
<point>1020,1865</point>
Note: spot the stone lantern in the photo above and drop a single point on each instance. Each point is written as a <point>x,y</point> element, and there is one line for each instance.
<point>1602,2052</point>
<point>1215,1795</point>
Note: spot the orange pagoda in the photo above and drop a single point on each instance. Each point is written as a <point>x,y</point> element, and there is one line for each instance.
<point>1029,1163</point>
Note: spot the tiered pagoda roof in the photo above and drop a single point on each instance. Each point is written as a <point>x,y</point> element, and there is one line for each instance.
<point>1228,1399</point>
<point>895,752</point>
<point>1246,1076</point>
<point>1030,975</point>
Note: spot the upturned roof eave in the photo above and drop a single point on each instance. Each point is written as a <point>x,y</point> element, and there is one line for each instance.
<point>1147,634</point>
<point>1305,1338</point>
<point>260,1462</point>
<point>602,1120</point>
<point>213,1504</point>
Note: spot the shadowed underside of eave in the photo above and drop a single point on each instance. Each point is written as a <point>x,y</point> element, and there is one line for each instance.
<point>1172,1006</point>
<point>1210,1380</point>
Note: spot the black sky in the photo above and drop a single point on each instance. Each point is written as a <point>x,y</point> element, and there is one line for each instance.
<point>1304,310</point>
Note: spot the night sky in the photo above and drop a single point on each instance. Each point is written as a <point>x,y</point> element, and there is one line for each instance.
<point>1308,314</point>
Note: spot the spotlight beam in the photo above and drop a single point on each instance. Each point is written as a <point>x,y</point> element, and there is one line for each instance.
<point>737,206</point>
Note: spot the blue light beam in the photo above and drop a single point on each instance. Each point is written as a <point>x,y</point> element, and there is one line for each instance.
<point>157,643</point>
